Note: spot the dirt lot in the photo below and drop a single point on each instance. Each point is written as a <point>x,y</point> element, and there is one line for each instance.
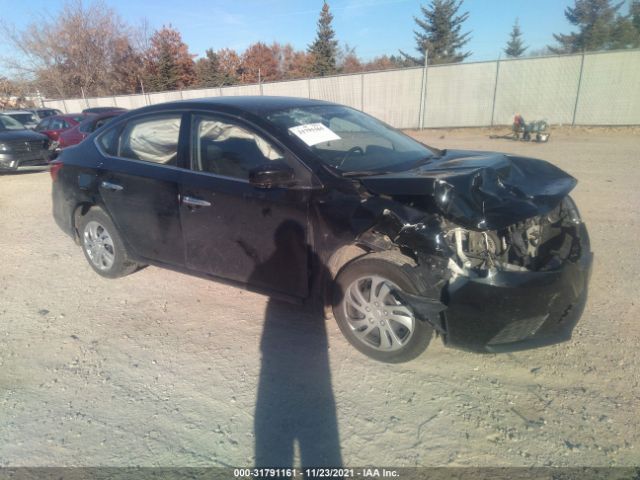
<point>163,369</point>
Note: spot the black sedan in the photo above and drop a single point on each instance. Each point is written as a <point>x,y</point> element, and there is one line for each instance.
<point>20,147</point>
<point>306,200</point>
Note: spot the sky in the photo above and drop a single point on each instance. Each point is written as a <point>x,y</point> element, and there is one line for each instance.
<point>373,27</point>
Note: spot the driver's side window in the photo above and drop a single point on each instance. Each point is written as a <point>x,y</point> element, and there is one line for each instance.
<point>222,147</point>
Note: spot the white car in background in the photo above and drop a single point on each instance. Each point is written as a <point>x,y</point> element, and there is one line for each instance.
<point>25,117</point>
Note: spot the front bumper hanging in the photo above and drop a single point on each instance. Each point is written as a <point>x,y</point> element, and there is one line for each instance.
<point>511,311</point>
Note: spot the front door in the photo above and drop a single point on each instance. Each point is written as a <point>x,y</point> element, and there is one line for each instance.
<point>234,230</point>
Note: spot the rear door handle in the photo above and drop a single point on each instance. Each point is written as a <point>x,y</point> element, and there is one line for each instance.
<point>112,186</point>
<point>195,202</point>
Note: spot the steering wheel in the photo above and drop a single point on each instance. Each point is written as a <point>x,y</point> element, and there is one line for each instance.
<point>349,152</point>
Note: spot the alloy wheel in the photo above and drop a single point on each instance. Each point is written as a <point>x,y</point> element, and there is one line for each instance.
<point>376,316</point>
<point>99,245</point>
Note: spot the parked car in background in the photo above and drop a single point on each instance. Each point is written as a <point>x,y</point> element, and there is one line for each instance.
<point>103,109</point>
<point>25,117</point>
<point>54,125</point>
<point>20,147</point>
<point>312,200</point>
<point>75,135</point>
<point>42,113</point>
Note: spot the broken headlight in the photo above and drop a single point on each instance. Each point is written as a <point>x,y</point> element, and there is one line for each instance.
<point>571,210</point>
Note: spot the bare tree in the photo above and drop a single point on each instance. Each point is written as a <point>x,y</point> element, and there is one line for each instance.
<point>14,93</point>
<point>86,48</point>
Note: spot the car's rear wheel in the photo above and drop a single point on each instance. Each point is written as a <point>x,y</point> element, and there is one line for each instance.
<point>371,314</point>
<point>102,245</point>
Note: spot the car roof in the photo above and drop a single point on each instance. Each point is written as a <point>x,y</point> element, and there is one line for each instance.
<point>103,109</point>
<point>7,112</point>
<point>93,117</point>
<point>257,105</point>
<point>71,116</point>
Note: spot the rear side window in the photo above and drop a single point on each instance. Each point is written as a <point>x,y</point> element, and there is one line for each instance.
<point>108,142</point>
<point>101,122</point>
<point>152,139</point>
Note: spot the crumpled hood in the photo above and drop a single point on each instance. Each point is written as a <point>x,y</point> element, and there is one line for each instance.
<point>481,190</point>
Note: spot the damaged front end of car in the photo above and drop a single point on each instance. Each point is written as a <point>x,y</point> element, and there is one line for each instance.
<point>504,244</point>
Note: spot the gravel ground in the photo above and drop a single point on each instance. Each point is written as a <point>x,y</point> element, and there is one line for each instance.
<point>164,369</point>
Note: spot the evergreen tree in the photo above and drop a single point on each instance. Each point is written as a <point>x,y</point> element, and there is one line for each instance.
<point>211,73</point>
<point>166,74</point>
<point>635,14</point>
<point>627,31</point>
<point>439,32</point>
<point>324,49</point>
<point>208,70</point>
<point>596,22</point>
<point>624,34</point>
<point>515,47</point>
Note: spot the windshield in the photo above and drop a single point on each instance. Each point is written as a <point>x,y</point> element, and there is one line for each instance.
<point>23,117</point>
<point>8,123</point>
<point>350,141</point>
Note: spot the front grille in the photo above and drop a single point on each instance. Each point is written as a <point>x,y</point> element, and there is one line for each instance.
<point>16,146</point>
<point>33,162</point>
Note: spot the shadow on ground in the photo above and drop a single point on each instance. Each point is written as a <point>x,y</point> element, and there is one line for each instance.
<point>295,403</point>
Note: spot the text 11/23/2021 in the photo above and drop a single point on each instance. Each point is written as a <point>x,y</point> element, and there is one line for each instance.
<point>315,473</point>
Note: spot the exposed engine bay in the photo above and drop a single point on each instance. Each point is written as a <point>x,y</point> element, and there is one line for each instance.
<point>540,243</point>
<point>536,244</point>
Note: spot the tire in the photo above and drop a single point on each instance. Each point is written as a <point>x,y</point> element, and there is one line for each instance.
<point>102,245</point>
<point>388,316</point>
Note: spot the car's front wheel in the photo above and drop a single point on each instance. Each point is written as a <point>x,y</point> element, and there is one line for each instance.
<point>102,245</point>
<point>370,313</point>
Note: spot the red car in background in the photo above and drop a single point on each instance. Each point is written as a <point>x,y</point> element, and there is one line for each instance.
<point>75,135</point>
<point>54,125</point>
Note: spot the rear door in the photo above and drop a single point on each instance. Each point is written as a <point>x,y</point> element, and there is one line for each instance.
<point>139,184</point>
<point>234,230</point>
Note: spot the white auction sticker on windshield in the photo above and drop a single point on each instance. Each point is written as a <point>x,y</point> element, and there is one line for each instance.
<point>314,133</point>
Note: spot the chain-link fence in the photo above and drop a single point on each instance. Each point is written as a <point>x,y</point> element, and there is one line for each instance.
<point>587,89</point>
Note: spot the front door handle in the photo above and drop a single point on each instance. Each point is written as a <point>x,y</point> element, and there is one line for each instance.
<point>195,202</point>
<point>112,186</point>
